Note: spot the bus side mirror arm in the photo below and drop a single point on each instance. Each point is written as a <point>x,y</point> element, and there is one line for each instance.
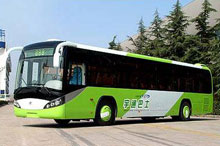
<point>6,55</point>
<point>13,49</point>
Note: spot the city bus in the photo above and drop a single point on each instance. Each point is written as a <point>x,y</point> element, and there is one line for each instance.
<point>67,81</point>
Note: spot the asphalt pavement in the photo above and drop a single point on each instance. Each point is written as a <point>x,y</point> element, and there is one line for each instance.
<point>162,132</point>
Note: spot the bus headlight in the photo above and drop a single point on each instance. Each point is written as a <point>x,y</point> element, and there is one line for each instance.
<point>54,103</point>
<point>16,104</point>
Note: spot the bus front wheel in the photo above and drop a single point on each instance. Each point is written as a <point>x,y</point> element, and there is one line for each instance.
<point>105,114</point>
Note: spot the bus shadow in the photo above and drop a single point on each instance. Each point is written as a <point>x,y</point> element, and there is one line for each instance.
<point>83,124</point>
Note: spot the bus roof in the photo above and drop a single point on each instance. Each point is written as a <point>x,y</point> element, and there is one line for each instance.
<point>60,44</point>
<point>122,53</point>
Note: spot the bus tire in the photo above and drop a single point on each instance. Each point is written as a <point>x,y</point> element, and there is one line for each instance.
<point>185,111</point>
<point>105,114</point>
<point>62,122</point>
<point>148,119</point>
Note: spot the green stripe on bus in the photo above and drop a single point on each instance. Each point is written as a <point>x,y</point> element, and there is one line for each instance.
<point>149,58</point>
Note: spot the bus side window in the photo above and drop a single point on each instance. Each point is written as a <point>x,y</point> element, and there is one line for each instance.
<point>76,76</point>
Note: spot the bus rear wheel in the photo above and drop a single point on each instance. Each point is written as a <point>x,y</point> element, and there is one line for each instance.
<point>185,111</point>
<point>62,122</point>
<point>105,114</point>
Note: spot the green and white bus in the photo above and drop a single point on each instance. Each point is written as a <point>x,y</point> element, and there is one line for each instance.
<point>67,81</point>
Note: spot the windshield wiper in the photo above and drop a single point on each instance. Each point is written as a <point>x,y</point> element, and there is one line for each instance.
<point>23,81</point>
<point>46,90</point>
<point>42,86</point>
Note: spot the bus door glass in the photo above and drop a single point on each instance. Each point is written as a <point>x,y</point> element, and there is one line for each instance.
<point>77,74</point>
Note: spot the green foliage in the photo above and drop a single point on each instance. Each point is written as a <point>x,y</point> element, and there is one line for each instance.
<point>156,44</point>
<point>216,29</point>
<point>215,64</point>
<point>156,29</point>
<point>141,41</point>
<point>216,108</point>
<point>202,23</point>
<point>175,32</point>
<point>177,22</point>
<point>114,46</point>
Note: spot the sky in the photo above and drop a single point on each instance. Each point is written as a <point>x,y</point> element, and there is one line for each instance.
<point>91,22</point>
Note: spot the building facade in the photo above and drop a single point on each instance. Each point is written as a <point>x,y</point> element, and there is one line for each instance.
<point>191,10</point>
<point>5,68</point>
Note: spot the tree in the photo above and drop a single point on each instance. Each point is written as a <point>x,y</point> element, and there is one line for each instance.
<point>202,23</point>
<point>192,54</point>
<point>206,34</point>
<point>156,29</point>
<point>113,45</point>
<point>140,41</point>
<point>214,64</point>
<point>216,29</point>
<point>155,43</point>
<point>175,32</point>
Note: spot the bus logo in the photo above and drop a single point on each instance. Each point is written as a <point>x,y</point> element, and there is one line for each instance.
<point>136,104</point>
<point>145,96</point>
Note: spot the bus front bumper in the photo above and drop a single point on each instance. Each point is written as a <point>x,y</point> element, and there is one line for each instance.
<point>51,113</point>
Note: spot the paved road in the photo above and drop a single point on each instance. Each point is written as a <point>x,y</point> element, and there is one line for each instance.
<point>164,132</point>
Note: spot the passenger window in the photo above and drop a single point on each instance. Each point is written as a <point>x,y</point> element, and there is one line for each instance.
<point>76,76</point>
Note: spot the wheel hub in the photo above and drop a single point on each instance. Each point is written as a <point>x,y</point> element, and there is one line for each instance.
<point>186,111</point>
<point>105,113</point>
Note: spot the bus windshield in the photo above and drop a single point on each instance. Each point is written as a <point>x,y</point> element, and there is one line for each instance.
<point>39,72</point>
